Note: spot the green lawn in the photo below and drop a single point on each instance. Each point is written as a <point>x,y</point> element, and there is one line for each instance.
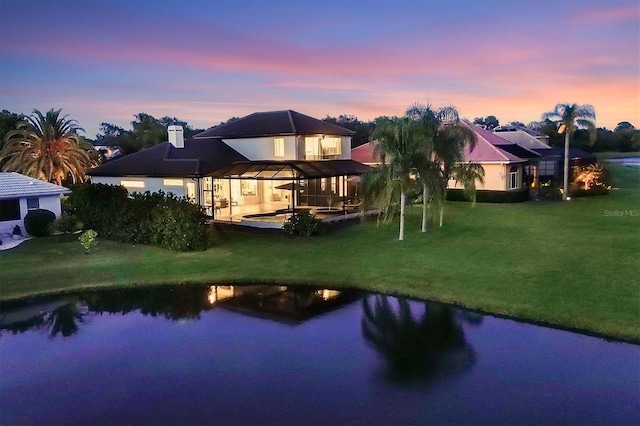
<point>572,264</point>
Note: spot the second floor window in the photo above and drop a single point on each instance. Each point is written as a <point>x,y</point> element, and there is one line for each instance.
<point>322,148</point>
<point>278,147</point>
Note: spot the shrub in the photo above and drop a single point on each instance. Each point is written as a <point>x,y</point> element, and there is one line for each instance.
<point>159,219</point>
<point>67,223</point>
<point>38,222</point>
<point>176,224</point>
<point>302,223</point>
<point>490,196</point>
<point>88,239</point>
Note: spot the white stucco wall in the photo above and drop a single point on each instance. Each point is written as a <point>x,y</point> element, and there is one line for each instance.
<point>263,148</point>
<point>152,184</point>
<point>496,178</point>
<point>47,202</point>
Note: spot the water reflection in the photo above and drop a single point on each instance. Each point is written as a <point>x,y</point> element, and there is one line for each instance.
<point>419,341</point>
<point>62,316</point>
<point>58,317</point>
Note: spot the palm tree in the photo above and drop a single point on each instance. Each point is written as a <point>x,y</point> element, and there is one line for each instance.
<point>448,137</point>
<point>48,147</point>
<point>398,141</point>
<point>570,118</point>
<point>468,174</point>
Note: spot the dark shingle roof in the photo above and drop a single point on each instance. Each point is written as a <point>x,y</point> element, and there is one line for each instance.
<point>197,158</point>
<point>518,151</point>
<point>274,123</point>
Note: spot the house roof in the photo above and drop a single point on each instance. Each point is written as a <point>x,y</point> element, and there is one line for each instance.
<point>286,170</point>
<point>197,158</point>
<point>16,185</point>
<point>273,123</point>
<point>524,137</point>
<point>365,153</point>
<point>488,148</point>
<point>558,154</point>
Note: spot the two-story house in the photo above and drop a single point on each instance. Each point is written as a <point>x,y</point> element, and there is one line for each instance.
<point>264,162</point>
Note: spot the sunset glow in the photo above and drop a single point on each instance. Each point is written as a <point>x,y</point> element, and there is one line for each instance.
<point>204,62</point>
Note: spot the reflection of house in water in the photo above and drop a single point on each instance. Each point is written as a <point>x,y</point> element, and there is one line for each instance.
<point>291,305</point>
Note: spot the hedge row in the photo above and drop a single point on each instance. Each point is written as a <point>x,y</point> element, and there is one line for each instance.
<point>486,196</point>
<point>159,219</point>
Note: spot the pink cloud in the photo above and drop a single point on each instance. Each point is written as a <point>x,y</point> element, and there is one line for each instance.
<point>608,15</point>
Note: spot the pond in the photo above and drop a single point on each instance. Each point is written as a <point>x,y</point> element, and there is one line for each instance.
<point>299,355</point>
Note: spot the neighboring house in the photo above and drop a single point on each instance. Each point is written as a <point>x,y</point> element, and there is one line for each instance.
<point>365,154</point>
<point>504,165</point>
<point>20,193</point>
<point>108,146</point>
<point>263,162</point>
<point>550,163</point>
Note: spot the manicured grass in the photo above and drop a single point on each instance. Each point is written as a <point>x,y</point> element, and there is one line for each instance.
<point>572,264</point>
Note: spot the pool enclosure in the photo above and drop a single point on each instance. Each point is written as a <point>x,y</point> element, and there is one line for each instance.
<point>269,188</point>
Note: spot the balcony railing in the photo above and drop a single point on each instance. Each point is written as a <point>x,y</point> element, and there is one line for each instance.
<point>309,157</point>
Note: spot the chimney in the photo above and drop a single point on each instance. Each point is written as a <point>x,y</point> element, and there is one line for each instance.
<point>176,136</point>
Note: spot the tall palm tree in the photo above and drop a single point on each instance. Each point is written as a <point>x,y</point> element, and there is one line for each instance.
<point>399,142</point>
<point>448,138</point>
<point>570,118</point>
<point>48,147</point>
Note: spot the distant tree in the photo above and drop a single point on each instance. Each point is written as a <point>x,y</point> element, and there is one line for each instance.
<point>571,117</point>
<point>628,137</point>
<point>489,122</point>
<point>231,120</point>
<point>188,131</point>
<point>48,147</point>
<point>109,131</point>
<point>8,122</point>
<point>364,130</point>
<point>606,140</point>
<point>517,124</point>
<point>624,125</point>
<point>550,129</point>
<point>535,125</point>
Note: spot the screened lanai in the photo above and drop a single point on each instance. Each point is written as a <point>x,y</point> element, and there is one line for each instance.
<point>268,187</point>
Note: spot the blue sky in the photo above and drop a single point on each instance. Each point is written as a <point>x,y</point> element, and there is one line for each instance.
<point>205,61</point>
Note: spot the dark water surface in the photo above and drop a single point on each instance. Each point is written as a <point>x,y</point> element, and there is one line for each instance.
<point>299,355</point>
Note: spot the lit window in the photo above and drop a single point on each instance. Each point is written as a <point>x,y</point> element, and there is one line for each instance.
<point>513,177</point>
<point>132,184</point>
<point>33,203</point>
<point>331,146</point>
<point>173,182</point>
<point>278,147</point>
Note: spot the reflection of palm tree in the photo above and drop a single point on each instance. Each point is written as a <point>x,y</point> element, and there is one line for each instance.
<point>64,319</point>
<point>421,348</point>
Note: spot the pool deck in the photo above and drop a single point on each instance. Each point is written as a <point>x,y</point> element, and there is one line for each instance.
<point>332,216</point>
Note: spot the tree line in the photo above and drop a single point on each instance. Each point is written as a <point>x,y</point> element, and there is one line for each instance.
<point>49,146</point>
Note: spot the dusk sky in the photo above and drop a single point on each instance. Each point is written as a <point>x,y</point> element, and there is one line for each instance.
<point>206,61</point>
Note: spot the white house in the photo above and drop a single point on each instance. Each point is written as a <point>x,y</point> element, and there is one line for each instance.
<point>264,162</point>
<point>20,193</point>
